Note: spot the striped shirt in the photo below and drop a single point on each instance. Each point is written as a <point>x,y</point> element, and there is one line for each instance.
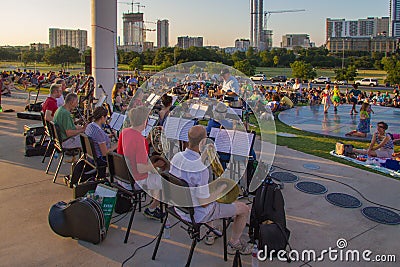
<point>98,136</point>
<point>388,145</point>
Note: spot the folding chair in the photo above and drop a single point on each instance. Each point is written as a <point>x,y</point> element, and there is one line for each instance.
<point>89,155</point>
<point>55,136</point>
<point>176,191</point>
<point>46,135</point>
<point>119,171</point>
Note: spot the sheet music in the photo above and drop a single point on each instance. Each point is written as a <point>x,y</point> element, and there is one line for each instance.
<point>198,111</point>
<point>242,141</point>
<point>100,101</point>
<point>184,127</point>
<point>146,131</point>
<point>214,132</point>
<point>171,127</point>
<point>223,141</point>
<point>151,96</point>
<point>117,120</point>
<point>152,99</point>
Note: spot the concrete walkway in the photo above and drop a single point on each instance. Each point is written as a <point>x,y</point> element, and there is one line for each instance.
<point>27,193</point>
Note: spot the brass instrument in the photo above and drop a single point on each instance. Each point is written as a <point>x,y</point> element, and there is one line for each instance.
<point>156,135</point>
<point>230,194</point>
<point>210,155</point>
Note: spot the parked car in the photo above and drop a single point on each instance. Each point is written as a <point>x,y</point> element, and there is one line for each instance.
<point>258,77</point>
<point>279,78</point>
<point>367,82</point>
<point>322,79</point>
<point>287,84</point>
<point>341,82</point>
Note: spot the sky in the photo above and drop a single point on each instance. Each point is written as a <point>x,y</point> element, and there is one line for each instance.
<point>220,22</point>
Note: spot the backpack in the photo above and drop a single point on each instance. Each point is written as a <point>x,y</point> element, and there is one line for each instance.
<point>267,219</point>
<point>78,172</point>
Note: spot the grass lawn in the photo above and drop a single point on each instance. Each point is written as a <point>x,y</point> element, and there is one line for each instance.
<point>270,72</point>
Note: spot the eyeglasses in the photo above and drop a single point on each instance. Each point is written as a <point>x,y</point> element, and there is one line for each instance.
<point>380,126</point>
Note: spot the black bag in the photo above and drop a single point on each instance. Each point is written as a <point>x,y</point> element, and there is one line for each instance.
<point>36,107</point>
<point>82,219</point>
<point>79,172</point>
<point>268,207</point>
<point>123,203</point>
<point>30,138</point>
<point>273,238</point>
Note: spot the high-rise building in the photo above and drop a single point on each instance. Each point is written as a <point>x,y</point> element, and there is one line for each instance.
<point>133,28</point>
<point>292,40</point>
<point>257,36</point>
<point>369,27</point>
<point>395,18</point>
<point>186,42</point>
<point>162,33</point>
<point>242,44</point>
<point>74,38</point>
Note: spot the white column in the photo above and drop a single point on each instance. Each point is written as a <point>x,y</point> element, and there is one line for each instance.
<point>104,45</point>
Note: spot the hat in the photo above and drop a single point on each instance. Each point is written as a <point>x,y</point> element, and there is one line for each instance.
<point>221,108</point>
<point>224,71</point>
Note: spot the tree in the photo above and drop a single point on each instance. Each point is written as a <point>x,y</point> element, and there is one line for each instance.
<point>61,54</point>
<point>245,67</point>
<point>28,56</point>
<point>392,66</point>
<point>276,60</point>
<point>303,70</point>
<point>136,63</point>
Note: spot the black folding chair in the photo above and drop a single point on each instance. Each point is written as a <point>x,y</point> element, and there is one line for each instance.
<point>119,171</point>
<point>89,156</point>
<point>58,148</point>
<point>176,192</point>
<point>46,135</point>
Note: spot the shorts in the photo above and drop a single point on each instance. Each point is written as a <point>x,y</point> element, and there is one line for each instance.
<point>384,153</point>
<point>220,211</point>
<point>152,182</point>
<point>336,99</point>
<point>353,100</point>
<point>72,142</point>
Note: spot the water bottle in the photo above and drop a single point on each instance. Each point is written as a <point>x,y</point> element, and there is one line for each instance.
<point>254,259</point>
<point>56,155</point>
<point>167,230</point>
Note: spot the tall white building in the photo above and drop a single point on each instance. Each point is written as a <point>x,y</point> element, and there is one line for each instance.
<point>74,38</point>
<point>258,36</point>
<point>162,33</point>
<point>292,40</point>
<point>395,18</point>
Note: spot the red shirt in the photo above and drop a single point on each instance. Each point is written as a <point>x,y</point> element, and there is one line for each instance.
<point>50,104</point>
<point>134,147</point>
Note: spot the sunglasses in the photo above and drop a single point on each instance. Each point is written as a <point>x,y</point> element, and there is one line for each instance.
<point>381,126</point>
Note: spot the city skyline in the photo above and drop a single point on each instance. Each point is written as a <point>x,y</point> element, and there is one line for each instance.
<point>220,23</point>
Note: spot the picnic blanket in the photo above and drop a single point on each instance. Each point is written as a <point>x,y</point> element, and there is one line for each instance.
<point>373,163</point>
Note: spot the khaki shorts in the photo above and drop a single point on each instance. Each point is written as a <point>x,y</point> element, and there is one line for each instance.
<point>384,153</point>
<point>220,211</point>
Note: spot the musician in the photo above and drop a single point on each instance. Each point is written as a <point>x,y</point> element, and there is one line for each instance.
<point>116,96</point>
<point>101,141</point>
<point>230,85</point>
<point>166,100</point>
<point>133,146</point>
<point>69,131</point>
<point>49,106</point>
<point>188,166</point>
<point>218,118</point>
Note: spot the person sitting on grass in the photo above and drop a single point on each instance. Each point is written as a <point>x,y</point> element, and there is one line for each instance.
<point>381,145</point>
<point>364,125</point>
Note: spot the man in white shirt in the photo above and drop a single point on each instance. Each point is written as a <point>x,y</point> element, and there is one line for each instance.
<point>231,84</point>
<point>187,165</point>
<point>298,86</point>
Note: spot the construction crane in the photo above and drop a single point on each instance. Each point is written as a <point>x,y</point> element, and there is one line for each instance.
<point>267,14</point>
<point>132,4</point>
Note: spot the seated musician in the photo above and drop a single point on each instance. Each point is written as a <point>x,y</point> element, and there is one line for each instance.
<point>116,95</point>
<point>166,100</point>
<point>101,141</point>
<point>134,147</point>
<point>68,130</point>
<point>218,118</point>
<point>187,165</point>
<point>49,106</point>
